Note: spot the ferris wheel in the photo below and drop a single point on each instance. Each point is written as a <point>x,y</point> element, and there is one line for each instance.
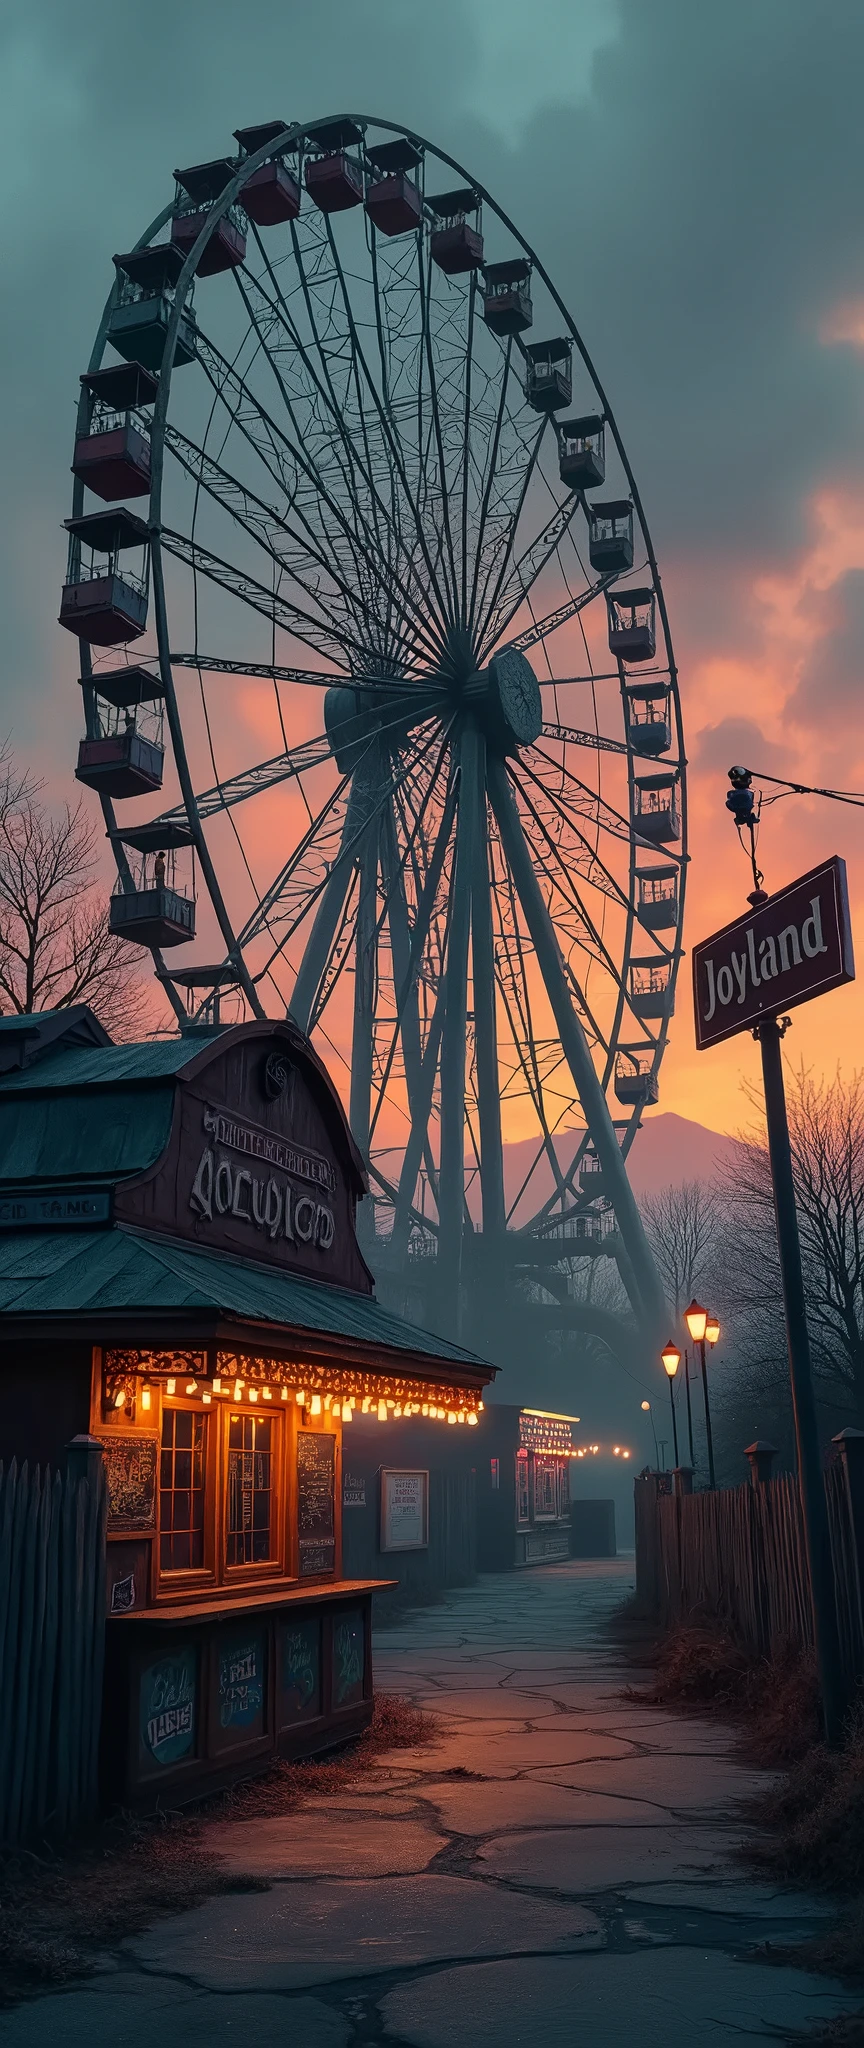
<point>386,634</point>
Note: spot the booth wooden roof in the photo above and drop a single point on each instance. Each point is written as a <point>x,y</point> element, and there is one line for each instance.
<point>126,1287</point>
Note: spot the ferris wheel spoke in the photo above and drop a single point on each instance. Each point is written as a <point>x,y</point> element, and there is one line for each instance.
<point>269,604</point>
<point>571,736</point>
<point>490,478</point>
<point>501,560</point>
<point>361,473</point>
<point>546,847</point>
<point>320,389</point>
<point>255,517</point>
<point>252,512</point>
<point>580,853</point>
<point>256,423</point>
<point>236,789</point>
<point>452,608</point>
<point>586,804</point>
<point>530,566</point>
<point>466,445</point>
<point>542,628</point>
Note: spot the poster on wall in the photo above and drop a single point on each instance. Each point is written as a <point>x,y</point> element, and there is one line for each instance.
<point>130,1473</point>
<point>316,1502</point>
<point>545,1489</point>
<point>404,1510</point>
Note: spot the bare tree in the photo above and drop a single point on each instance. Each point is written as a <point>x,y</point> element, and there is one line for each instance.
<point>55,945</point>
<point>683,1225</point>
<point>826,1122</point>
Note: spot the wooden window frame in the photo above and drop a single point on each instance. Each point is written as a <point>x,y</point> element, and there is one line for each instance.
<point>195,1578</point>
<point>277,1566</point>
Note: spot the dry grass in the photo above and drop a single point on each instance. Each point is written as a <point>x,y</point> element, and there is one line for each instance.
<point>774,1703</point>
<point>58,1910</point>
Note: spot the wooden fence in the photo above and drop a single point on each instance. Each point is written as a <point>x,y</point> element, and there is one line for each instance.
<point>739,1553</point>
<point>52,1632</point>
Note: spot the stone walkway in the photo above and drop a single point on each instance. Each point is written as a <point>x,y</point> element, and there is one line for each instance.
<point>555,1870</point>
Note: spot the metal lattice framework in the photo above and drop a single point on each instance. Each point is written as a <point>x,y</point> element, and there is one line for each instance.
<point>444,859</point>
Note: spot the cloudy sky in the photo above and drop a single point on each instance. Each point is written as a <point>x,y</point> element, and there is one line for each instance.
<point>693,178</point>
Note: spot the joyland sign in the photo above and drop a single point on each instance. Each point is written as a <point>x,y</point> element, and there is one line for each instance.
<point>796,945</point>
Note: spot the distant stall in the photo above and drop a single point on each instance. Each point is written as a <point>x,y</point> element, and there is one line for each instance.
<point>523,1487</point>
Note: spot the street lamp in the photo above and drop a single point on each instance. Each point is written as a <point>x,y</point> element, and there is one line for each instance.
<point>697,1320</point>
<point>647,1410</point>
<point>712,1330</point>
<point>671,1357</point>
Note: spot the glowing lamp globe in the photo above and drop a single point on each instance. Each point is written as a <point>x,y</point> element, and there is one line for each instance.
<point>671,1357</point>
<point>712,1330</point>
<point>696,1319</point>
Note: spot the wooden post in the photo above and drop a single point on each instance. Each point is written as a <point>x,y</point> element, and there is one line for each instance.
<point>851,1447</point>
<point>761,1455</point>
<point>682,1479</point>
<point>84,1457</point>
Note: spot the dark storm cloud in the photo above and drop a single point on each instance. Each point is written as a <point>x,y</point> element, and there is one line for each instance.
<point>733,740</point>
<point>700,210</point>
<point>830,693</point>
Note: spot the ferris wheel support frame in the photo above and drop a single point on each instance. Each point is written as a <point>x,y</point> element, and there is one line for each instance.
<point>650,1299</point>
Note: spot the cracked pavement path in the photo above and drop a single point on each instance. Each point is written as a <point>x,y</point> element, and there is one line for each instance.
<point>558,1865</point>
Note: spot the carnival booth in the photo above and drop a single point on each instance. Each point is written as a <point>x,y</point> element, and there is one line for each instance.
<point>523,1487</point>
<point>180,1279</point>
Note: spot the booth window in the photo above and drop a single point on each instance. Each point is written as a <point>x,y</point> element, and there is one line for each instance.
<point>250,1489</point>
<point>181,1490</point>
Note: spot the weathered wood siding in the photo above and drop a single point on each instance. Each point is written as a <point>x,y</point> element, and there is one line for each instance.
<point>52,1633</point>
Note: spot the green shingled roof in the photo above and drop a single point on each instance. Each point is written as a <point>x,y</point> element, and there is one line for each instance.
<point>87,1272</point>
<point>105,1066</point>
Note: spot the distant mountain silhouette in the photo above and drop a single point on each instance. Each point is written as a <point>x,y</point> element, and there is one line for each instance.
<point>668,1148</point>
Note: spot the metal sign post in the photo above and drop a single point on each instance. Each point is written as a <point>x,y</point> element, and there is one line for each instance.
<point>789,948</point>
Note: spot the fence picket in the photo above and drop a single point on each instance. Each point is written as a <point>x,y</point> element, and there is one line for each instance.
<point>739,1553</point>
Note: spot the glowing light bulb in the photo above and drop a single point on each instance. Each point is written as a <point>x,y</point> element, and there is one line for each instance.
<point>425,1408</point>
<point>300,1398</point>
<point>327,1402</point>
<point>120,1398</point>
<point>472,1422</point>
<point>146,1396</point>
<point>316,1404</point>
<point>217,1386</point>
<point>253,1393</point>
<point>238,1389</point>
<point>266,1394</point>
<point>347,1412</point>
<point>367,1403</point>
<point>382,1411</point>
<point>191,1386</point>
<point>451,1417</point>
<point>397,1412</point>
<point>284,1393</point>
<point>336,1411</point>
<point>461,1415</point>
<point>207,1400</point>
<point>170,1386</point>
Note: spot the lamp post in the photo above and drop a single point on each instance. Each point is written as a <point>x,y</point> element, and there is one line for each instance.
<point>671,1357</point>
<point>689,1408</point>
<point>696,1319</point>
<point>648,1410</point>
